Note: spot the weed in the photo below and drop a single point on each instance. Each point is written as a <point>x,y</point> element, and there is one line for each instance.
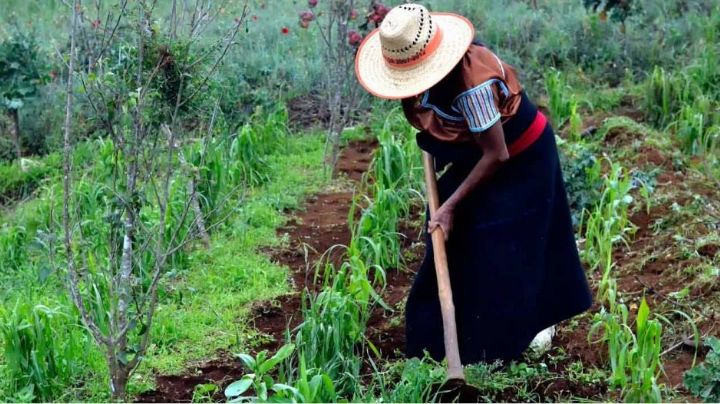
<point>260,380</point>
<point>704,381</point>
<point>42,351</point>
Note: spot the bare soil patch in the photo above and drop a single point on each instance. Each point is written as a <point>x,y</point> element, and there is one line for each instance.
<point>321,225</point>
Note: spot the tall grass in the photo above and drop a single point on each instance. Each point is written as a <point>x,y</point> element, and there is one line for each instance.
<point>607,223</point>
<point>393,186</point>
<point>44,349</point>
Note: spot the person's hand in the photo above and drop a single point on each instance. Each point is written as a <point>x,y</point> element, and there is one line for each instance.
<point>442,219</point>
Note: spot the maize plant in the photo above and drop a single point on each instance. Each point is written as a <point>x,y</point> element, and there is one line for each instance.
<point>607,223</point>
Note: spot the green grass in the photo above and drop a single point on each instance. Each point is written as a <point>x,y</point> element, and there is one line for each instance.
<point>203,306</point>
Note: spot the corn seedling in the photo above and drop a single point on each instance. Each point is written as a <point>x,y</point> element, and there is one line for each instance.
<point>314,387</point>
<point>634,356</point>
<point>560,105</point>
<point>574,122</point>
<point>697,129</point>
<point>608,223</point>
<point>333,327</point>
<point>13,251</point>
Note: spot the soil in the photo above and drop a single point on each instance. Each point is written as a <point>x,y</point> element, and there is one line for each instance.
<point>307,111</point>
<point>322,224</point>
<point>310,111</point>
<point>180,388</point>
<point>319,226</point>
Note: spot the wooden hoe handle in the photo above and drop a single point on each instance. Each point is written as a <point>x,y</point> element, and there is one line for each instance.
<point>455,369</point>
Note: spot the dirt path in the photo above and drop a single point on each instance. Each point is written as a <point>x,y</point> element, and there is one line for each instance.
<point>321,224</point>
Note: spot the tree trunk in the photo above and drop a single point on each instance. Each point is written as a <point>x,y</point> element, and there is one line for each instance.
<point>199,220</point>
<point>118,380</point>
<point>15,132</point>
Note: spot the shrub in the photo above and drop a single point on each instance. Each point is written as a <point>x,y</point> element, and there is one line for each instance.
<point>704,381</point>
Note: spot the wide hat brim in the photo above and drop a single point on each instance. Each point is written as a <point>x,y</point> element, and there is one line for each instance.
<point>387,82</point>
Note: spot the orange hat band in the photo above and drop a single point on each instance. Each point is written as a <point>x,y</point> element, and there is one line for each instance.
<point>421,56</point>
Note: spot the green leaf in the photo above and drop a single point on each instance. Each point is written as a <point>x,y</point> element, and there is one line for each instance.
<point>248,360</point>
<point>643,314</point>
<point>14,104</point>
<point>261,391</point>
<point>282,354</point>
<point>239,387</point>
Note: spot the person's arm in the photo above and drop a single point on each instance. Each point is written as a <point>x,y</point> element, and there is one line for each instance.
<point>495,153</point>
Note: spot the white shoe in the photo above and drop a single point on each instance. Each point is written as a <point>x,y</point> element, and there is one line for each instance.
<point>543,341</point>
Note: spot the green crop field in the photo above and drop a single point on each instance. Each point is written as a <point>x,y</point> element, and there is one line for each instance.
<point>199,203</point>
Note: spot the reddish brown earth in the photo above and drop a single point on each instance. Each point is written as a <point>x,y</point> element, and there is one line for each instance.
<point>180,388</point>
<point>317,228</point>
<point>651,267</point>
<point>320,225</point>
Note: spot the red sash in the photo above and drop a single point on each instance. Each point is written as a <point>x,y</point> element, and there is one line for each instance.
<point>529,136</point>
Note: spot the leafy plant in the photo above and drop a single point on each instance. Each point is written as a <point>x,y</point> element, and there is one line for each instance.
<point>21,73</point>
<point>704,381</point>
<point>41,351</point>
<point>581,173</point>
<point>203,393</point>
<point>265,388</point>
<point>607,223</point>
<point>634,357</point>
<point>410,381</point>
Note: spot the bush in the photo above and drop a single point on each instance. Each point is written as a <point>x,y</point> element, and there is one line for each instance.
<point>704,381</point>
<point>18,182</point>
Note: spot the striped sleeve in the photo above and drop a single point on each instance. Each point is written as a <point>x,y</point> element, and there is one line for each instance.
<point>478,107</point>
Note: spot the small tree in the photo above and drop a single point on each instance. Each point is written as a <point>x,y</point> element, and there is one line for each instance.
<point>340,43</point>
<point>148,216</point>
<point>21,74</point>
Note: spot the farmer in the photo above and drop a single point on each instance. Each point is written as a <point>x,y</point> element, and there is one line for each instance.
<point>514,265</point>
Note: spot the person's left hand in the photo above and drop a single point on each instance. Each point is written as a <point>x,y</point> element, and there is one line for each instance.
<point>442,219</point>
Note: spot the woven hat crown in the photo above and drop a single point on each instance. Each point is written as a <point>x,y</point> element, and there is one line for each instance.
<point>406,33</point>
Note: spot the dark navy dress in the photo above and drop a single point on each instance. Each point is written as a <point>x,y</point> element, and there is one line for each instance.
<point>512,257</point>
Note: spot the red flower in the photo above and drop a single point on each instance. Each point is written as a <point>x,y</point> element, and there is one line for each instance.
<point>96,24</point>
<point>255,18</point>
<point>312,3</point>
<point>353,14</point>
<point>307,16</point>
<point>378,13</point>
<point>304,24</point>
<point>354,38</point>
<point>285,30</point>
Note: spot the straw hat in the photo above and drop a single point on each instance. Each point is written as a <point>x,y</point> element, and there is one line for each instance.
<point>411,51</point>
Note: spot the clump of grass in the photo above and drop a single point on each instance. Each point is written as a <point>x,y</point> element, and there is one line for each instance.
<point>634,356</point>
<point>607,223</point>
<point>43,349</point>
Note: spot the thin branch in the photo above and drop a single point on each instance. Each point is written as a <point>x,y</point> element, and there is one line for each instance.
<point>73,282</point>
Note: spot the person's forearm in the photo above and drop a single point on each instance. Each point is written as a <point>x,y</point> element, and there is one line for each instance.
<point>483,170</point>
<point>495,153</point>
